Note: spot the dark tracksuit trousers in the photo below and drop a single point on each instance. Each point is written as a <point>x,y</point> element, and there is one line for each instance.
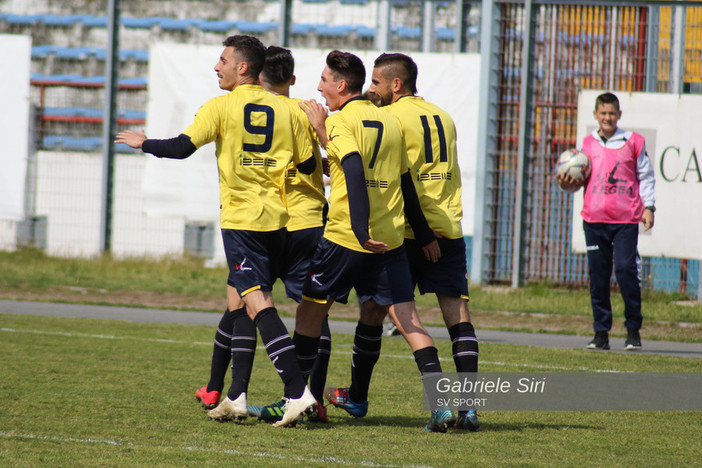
<point>608,244</point>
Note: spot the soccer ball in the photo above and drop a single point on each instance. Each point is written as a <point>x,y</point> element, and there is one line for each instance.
<point>574,163</point>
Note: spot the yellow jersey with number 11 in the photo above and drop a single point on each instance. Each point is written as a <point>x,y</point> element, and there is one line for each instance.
<point>430,135</point>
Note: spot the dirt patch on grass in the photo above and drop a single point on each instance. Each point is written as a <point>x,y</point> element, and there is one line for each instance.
<point>485,320</point>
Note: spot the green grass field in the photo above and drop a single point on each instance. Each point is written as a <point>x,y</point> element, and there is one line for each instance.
<point>184,283</point>
<point>78,392</point>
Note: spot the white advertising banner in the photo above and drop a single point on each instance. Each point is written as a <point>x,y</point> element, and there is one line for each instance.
<point>15,51</point>
<point>671,125</point>
<point>182,78</point>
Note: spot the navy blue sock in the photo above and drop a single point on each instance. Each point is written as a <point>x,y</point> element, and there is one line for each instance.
<point>465,347</point>
<point>318,375</point>
<point>243,350</point>
<point>306,351</point>
<point>221,353</point>
<point>427,360</point>
<point>366,351</point>
<point>281,350</point>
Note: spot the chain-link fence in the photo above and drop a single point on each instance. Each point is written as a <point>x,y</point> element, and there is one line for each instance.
<point>526,220</point>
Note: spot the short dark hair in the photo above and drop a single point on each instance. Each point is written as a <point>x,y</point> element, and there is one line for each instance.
<point>250,50</point>
<point>346,66</point>
<point>279,65</point>
<point>606,98</point>
<point>401,66</point>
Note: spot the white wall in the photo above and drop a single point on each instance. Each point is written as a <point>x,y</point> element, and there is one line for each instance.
<point>14,130</point>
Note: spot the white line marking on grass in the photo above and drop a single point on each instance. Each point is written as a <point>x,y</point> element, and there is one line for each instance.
<point>393,356</point>
<point>322,459</point>
<point>104,337</point>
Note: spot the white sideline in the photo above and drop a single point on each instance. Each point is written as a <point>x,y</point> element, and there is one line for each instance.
<point>200,343</point>
<point>332,460</point>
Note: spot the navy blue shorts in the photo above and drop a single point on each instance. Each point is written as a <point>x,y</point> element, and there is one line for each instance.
<point>333,272</point>
<point>299,248</point>
<point>386,279</point>
<point>448,276</point>
<point>253,258</point>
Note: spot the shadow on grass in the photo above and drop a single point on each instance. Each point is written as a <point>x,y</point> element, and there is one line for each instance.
<point>413,422</point>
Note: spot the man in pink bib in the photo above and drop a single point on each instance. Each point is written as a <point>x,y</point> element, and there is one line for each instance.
<point>619,194</point>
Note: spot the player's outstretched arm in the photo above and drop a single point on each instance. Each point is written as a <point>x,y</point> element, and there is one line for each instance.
<point>131,138</point>
<point>179,147</point>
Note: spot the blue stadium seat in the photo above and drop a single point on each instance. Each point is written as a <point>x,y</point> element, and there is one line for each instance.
<point>302,29</point>
<point>133,82</point>
<point>247,27</point>
<point>76,53</point>
<point>63,20</point>
<point>122,148</point>
<point>43,50</point>
<point>94,21</point>
<point>218,26</point>
<point>73,79</point>
<point>91,113</point>
<point>405,32</point>
<point>353,2</point>
<point>446,34</point>
<point>365,31</point>
<point>72,143</point>
<point>171,24</point>
<point>73,112</point>
<point>135,54</point>
<point>333,31</point>
<point>23,20</point>
<point>58,78</point>
<point>82,53</point>
<point>131,114</point>
<point>141,23</point>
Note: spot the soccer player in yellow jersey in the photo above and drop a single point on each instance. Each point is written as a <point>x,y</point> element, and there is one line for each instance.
<point>307,204</point>
<point>430,135</point>
<point>254,135</point>
<point>371,192</point>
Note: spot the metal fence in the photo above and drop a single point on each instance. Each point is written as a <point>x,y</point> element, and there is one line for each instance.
<point>536,57</point>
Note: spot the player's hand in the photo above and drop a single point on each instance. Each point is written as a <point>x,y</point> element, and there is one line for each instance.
<point>432,251</point>
<point>647,219</point>
<point>375,246</point>
<point>569,183</point>
<point>317,115</point>
<point>131,138</point>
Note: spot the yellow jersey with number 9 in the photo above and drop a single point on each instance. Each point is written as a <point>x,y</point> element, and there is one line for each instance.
<point>254,136</point>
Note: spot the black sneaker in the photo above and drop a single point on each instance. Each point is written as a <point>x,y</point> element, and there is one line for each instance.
<point>633,340</point>
<point>600,341</point>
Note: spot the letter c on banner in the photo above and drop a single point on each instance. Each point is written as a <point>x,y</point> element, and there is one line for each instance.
<point>663,155</point>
